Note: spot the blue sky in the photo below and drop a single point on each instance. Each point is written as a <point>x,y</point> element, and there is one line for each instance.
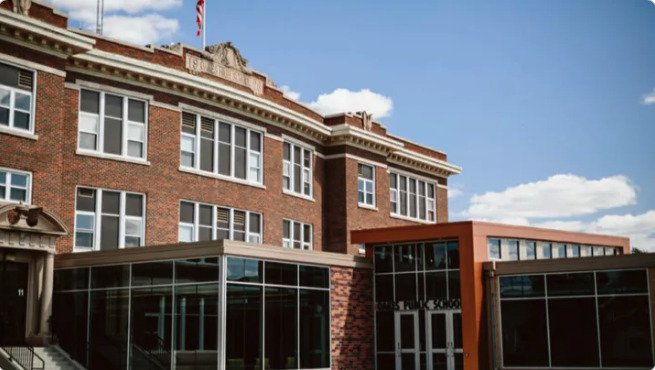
<point>543,103</point>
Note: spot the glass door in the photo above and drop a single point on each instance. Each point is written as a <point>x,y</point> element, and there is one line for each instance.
<point>444,340</point>
<point>407,340</point>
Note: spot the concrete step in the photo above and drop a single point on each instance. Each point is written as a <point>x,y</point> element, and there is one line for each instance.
<point>54,359</point>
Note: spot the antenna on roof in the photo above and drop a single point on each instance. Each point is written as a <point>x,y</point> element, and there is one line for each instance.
<point>100,16</point>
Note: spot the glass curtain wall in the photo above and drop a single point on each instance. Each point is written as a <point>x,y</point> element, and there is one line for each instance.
<point>160,315</point>
<point>416,276</point>
<point>167,315</point>
<point>277,315</point>
<point>588,319</point>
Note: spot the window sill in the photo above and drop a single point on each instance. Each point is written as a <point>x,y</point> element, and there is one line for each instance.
<point>20,133</point>
<point>405,218</point>
<point>111,157</point>
<point>221,177</point>
<point>368,207</point>
<point>301,196</point>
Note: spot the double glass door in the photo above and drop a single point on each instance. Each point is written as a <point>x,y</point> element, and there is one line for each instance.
<point>444,340</point>
<point>437,347</point>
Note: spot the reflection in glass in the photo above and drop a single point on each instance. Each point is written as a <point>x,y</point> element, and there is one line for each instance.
<point>436,285</point>
<point>405,257</point>
<point>383,262</point>
<point>525,338</point>
<point>243,333</point>
<point>453,255</point>
<point>384,288</point>
<point>435,256</point>
<point>281,273</point>
<point>521,286</point>
<point>315,329</point>
<point>150,334</point>
<point>570,284</point>
<point>454,289</point>
<point>108,329</point>
<point>625,331</point>
<point>281,305</point>
<point>244,269</point>
<point>406,287</point>
<point>110,276</point>
<point>622,282</point>
<point>69,313</point>
<point>312,276</point>
<point>385,330</point>
<point>573,332</point>
<point>196,326</point>
<point>196,270</point>
<point>156,273</point>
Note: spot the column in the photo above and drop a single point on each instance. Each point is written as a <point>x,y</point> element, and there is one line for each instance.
<point>46,295</point>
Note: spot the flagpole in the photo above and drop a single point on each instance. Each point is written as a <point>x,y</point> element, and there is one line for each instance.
<point>204,24</point>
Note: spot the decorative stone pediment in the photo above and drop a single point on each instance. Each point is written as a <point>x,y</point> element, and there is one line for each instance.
<point>21,6</point>
<point>15,217</point>
<point>225,53</point>
<point>225,61</point>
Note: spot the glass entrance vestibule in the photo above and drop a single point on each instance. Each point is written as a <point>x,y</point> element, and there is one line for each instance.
<point>201,313</point>
<point>418,320</point>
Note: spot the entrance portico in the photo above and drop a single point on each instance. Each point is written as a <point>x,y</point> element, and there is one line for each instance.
<point>27,248</point>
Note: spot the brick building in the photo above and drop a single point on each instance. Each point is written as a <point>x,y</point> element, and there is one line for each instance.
<point>112,146</point>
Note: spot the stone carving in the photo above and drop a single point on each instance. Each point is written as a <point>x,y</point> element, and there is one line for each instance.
<point>22,6</point>
<point>177,47</point>
<point>228,55</point>
<point>367,120</point>
<point>225,61</point>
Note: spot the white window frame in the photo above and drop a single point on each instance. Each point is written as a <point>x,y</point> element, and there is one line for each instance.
<point>289,242</point>
<point>259,165</point>
<point>97,215</point>
<point>125,125</point>
<point>304,171</point>
<point>12,99</point>
<point>196,222</point>
<point>365,181</point>
<point>430,203</point>
<point>8,186</point>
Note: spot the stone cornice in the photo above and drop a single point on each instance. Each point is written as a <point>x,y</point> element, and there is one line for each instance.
<point>42,36</point>
<point>173,81</point>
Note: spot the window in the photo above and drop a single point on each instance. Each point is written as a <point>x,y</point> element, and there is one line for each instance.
<point>107,219</point>
<point>200,222</point>
<point>112,124</point>
<point>366,184</point>
<point>296,235</point>
<point>297,170</point>
<point>412,198</point>
<point>220,148</point>
<point>15,186</point>
<point>16,98</point>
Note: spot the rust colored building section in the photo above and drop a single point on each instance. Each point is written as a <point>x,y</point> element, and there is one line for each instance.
<point>459,250</point>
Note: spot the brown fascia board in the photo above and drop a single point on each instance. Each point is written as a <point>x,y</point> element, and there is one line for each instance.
<point>626,261</point>
<point>211,248</point>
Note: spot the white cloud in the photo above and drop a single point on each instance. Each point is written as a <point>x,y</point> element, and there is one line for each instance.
<point>640,228</point>
<point>454,193</point>
<point>557,196</point>
<point>143,30</point>
<point>293,95</point>
<point>344,100</point>
<point>134,27</point>
<point>649,99</point>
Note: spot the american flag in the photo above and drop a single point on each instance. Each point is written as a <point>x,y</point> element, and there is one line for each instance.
<point>200,8</point>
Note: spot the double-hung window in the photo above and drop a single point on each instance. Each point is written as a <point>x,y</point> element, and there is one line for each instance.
<point>412,198</point>
<point>221,148</point>
<point>112,124</point>
<point>108,219</point>
<point>15,186</point>
<point>200,222</point>
<point>16,98</point>
<point>297,169</point>
<point>366,184</point>
<point>296,235</point>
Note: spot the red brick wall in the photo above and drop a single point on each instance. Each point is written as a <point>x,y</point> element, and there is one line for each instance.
<point>352,318</point>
